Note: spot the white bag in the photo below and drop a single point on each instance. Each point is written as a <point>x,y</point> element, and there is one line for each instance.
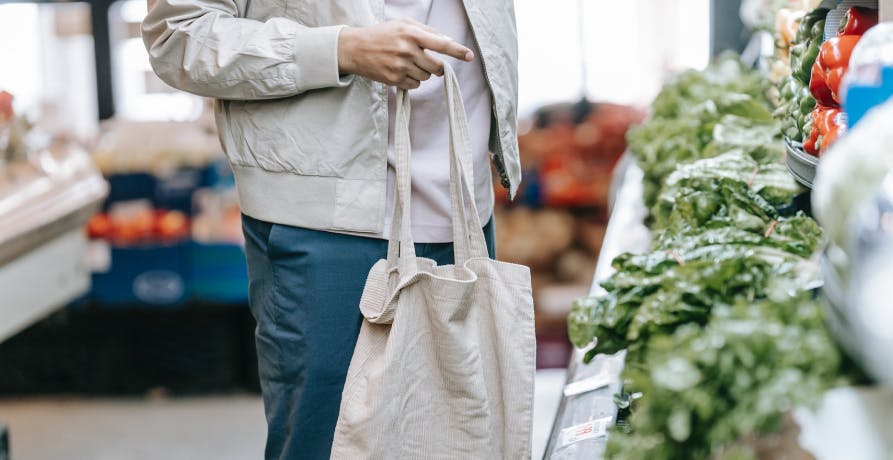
<point>444,365</point>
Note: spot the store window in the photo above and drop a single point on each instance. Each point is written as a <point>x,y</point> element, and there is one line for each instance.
<point>46,61</point>
<point>613,51</point>
<point>139,93</point>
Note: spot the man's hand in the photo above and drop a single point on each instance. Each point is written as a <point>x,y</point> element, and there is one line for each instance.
<point>393,52</point>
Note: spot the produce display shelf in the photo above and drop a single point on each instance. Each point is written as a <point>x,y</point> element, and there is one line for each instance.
<point>850,422</point>
<point>587,405</point>
<point>43,245</point>
<point>801,164</point>
<point>42,280</point>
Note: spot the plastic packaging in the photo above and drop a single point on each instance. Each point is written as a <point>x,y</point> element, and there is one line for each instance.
<point>869,80</point>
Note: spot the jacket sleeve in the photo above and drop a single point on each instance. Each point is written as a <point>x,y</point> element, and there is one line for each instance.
<point>203,47</point>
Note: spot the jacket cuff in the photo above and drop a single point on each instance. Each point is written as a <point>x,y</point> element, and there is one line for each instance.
<point>316,58</point>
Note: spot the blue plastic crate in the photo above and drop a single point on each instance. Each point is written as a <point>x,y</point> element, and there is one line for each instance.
<point>218,174</point>
<point>175,191</point>
<point>155,275</point>
<point>129,187</point>
<point>218,273</point>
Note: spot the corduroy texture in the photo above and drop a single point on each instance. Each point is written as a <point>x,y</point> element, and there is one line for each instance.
<point>445,361</point>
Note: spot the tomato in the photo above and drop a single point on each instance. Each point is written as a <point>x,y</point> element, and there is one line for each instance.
<point>171,225</point>
<point>99,227</point>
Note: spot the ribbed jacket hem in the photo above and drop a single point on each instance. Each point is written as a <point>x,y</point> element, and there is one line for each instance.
<point>316,202</point>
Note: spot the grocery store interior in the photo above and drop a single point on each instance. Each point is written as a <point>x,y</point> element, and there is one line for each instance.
<point>706,211</point>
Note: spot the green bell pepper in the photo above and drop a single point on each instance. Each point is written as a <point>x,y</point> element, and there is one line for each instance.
<point>797,52</point>
<point>805,29</point>
<point>788,90</point>
<point>807,102</point>
<point>808,59</point>
<point>807,44</point>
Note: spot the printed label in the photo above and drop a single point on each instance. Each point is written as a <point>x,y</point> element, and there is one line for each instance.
<point>584,431</point>
<point>600,380</point>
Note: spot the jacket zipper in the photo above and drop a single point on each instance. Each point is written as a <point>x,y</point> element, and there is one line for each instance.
<point>498,154</point>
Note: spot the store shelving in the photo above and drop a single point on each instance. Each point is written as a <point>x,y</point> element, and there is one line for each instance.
<point>588,398</point>
<point>44,204</point>
<point>60,263</point>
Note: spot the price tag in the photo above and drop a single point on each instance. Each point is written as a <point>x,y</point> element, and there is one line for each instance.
<point>584,431</point>
<point>600,380</point>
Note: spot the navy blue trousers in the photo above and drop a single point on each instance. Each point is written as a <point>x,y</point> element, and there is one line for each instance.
<point>304,292</point>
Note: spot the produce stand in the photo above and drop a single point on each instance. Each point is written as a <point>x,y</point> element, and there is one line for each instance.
<point>852,422</point>
<point>44,205</point>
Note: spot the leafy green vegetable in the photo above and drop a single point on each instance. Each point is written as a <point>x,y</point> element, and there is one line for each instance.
<point>708,387</point>
<point>656,292</point>
<point>659,144</point>
<point>759,139</point>
<point>722,336</point>
<point>701,115</point>
<point>771,182</point>
<point>725,77</point>
<point>716,240</point>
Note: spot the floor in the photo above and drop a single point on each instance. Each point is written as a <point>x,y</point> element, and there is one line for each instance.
<point>156,427</point>
<point>224,428</point>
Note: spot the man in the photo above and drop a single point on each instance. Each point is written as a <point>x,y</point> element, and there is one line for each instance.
<point>305,94</point>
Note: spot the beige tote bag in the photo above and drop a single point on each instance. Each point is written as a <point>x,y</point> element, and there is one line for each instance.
<point>445,362</point>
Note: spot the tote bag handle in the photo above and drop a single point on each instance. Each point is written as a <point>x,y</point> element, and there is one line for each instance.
<point>468,236</point>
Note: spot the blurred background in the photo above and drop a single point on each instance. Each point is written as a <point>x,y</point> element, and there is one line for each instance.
<point>132,339</point>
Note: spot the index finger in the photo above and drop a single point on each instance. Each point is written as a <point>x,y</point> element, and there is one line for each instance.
<point>422,26</point>
<point>444,45</point>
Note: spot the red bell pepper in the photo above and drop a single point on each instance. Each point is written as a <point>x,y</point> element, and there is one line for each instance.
<point>858,19</point>
<point>827,75</point>
<point>829,69</point>
<point>827,126</point>
<point>818,86</point>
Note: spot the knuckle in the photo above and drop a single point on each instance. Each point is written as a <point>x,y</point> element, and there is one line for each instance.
<point>408,31</point>
<point>404,49</point>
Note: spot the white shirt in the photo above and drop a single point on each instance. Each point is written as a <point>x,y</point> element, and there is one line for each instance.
<point>429,128</point>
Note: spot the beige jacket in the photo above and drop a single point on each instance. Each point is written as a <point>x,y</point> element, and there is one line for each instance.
<point>309,147</point>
